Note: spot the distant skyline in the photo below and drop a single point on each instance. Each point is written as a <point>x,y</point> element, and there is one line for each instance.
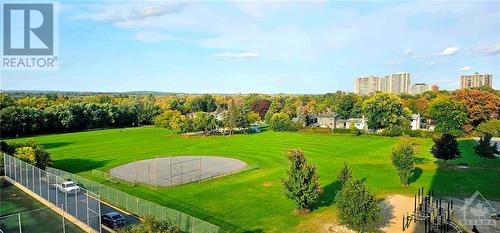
<point>307,47</point>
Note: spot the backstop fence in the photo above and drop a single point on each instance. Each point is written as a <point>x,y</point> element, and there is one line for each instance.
<point>82,205</point>
<point>140,206</point>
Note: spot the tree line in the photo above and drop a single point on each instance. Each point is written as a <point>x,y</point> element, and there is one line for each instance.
<point>459,112</point>
<point>39,115</point>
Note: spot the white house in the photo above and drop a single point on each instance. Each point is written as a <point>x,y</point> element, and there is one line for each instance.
<point>415,121</point>
<point>359,123</point>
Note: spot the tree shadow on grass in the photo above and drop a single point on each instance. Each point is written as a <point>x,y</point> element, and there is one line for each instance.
<point>79,165</point>
<point>327,198</point>
<point>420,160</point>
<point>417,172</point>
<point>254,231</point>
<point>55,145</point>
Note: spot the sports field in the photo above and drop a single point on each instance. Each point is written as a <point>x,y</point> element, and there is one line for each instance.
<point>253,201</point>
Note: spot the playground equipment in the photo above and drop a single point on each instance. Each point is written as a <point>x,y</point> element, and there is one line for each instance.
<point>435,216</point>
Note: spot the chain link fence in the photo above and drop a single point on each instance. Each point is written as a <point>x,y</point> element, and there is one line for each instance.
<point>140,206</point>
<point>81,204</point>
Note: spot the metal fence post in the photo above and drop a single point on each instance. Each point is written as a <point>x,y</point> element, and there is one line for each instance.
<point>33,177</point>
<point>57,194</point>
<point>66,200</point>
<point>64,225</point>
<point>76,204</point>
<point>40,181</point>
<point>20,174</point>
<point>26,168</point>
<point>19,219</point>
<point>87,194</point>
<point>99,213</point>
<point>47,175</point>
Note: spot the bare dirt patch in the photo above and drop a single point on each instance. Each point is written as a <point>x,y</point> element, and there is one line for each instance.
<point>393,209</point>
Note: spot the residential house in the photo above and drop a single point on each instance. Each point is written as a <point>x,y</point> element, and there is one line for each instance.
<point>326,120</point>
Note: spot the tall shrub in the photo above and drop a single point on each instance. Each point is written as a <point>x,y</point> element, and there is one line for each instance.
<point>403,159</point>
<point>301,184</point>
<point>358,208</point>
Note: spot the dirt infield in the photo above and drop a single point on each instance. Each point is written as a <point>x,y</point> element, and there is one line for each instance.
<point>176,170</point>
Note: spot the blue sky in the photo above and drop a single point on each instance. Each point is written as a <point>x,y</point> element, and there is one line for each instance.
<point>265,47</point>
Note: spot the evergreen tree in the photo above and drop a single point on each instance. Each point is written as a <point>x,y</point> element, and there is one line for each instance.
<point>345,174</point>
<point>446,148</point>
<point>301,184</point>
<point>358,208</point>
<point>484,148</point>
<point>403,159</point>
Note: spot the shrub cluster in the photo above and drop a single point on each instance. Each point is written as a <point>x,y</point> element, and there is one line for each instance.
<point>29,151</point>
<point>316,130</point>
<point>342,131</point>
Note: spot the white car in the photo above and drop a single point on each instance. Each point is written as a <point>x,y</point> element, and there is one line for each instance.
<point>68,187</point>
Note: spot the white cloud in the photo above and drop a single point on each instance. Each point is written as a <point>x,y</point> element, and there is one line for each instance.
<point>408,52</point>
<point>123,14</point>
<point>450,51</point>
<point>436,62</point>
<point>260,9</point>
<point>465,68</point>
<point>233,55</point>
<point>393,62</point>
<point>152,37</point>
<point>487,50</point>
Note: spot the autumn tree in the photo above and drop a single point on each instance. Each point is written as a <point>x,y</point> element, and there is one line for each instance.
<point>348,106</point>
<point>203,103</point>
<point>261,106</point>
<point>480,106</point>
<point>253,117</point>
<point>281,122</point>
<point>491,127</point>
<point>275,107</point>
<point>204,122</point>
<point>384,110</point>
<point>449,115</point>
<point>236,116</point>
<point>302,182</point>
<point>33,153</point>
<point>171,119</point>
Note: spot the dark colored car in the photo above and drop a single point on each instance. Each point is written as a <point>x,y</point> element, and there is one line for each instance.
<point>496,215</point>
<point>113,220</point>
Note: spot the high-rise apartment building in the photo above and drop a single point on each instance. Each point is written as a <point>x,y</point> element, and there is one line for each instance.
<point>476,80</point>
<point>366,85</point>
<point>419,88</point>
<point>396,83</point>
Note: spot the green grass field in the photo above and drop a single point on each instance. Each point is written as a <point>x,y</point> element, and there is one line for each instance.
<point>253,201</point>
